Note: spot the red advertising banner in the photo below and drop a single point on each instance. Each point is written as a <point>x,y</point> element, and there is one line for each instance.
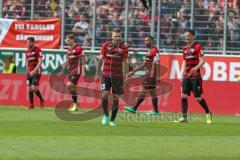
<point>216,68</point>
<point>222,97</point>
<point>13,33</point>
<point>221,88</point>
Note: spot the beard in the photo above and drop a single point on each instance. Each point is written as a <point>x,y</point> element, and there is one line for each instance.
<point>116,43</point>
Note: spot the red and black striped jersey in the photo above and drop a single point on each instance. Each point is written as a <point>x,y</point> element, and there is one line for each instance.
<point>191,55</point>
<point>150,59</point>
<point>73,56</point>
<point>113,59</point>
<point>32,55</point>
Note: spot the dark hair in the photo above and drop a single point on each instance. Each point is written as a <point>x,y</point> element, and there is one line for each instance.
<point>71,36</point>
<point>150,37</point>
<point>31,39</point>
<point>190,31</point>
<point>117,30</point>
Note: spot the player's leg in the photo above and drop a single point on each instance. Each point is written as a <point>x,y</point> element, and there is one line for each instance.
<point>197,90</point>
<point>30,92</point>
<point>140,99</point>
<point>35,83</point>
<point>72,91</point>
<point>71,85</point>
<point>105,90</point>
<point>117,89</point>
<point>115,107</point>
<point>185,92</point>
<point>153,94</point>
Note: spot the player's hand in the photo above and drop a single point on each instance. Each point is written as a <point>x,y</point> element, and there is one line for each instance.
<point>181,78</point>
<point>193,70</point>
<point>96,79</point>
<point>83,74</point>
<point>125,82</point>
<point>60,73</point>
<point>130,74</point>
<point>32,73</point>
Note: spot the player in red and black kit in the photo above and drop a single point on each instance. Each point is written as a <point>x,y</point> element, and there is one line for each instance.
<point>115,55</point>
<point>33,67</point>
<point>75,65</point>
<point>193,60</point>
<point>152,68</point>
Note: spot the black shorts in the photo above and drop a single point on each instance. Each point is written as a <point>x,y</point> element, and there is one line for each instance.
<point>149,83</point>
<point>33,80</point>
<point>115,83</point>
<point>192,84</point>
<point>73,78</point>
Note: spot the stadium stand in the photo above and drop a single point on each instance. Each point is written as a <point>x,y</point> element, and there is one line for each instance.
<point>175,18</point>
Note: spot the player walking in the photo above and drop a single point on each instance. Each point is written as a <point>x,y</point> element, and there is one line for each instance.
<point>193,60</point>
<point>33,67</point>
<point>152,68</point>
<point>75,64</point>
<point>115,55</point>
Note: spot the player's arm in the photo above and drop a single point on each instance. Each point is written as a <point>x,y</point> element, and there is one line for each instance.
<point>200,64</point>
<point>125,68</point>
<point>82,62</point>
<point>64,66</point>
<point>99,66</point>
<point>157,64</point>
<point>140,67</point>
<point>26,65</point>
<point>183,69</point>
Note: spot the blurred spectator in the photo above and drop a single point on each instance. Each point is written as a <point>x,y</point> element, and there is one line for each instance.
<point>81,27</point>
<point>175,18</point>
<point>114,21</point>
<point>233,29</point>
<point>9,66</point>
<point>14,9</point>
<point>87,41</point>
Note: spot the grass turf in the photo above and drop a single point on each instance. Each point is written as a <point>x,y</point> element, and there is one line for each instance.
<point>38,134</point>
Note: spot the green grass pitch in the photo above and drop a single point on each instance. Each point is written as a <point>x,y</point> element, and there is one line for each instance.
<point>39,135</point>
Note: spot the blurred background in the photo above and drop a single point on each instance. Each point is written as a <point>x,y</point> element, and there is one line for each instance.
<point>217,23</point>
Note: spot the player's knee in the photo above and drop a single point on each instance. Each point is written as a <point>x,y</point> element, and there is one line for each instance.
<point>104,95</point>
<point>70,87</point>
<point>184,96</point>
<point>198,99</point>
<point>33,88</point>
<point>153,94</point>
<point>115,98</point>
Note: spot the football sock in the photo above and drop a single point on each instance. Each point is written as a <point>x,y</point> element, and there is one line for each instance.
<point>31,97</point>
<point>139,101</point>
<point>105,106</point>
<point>204,105</point>
<point>155,104</point>
<point>114,109</point>
<point>184,107</point>
<point>74,97</point>
<point>39,95</point>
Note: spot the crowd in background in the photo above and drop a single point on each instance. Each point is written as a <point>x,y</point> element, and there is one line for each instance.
<point>175,18</point>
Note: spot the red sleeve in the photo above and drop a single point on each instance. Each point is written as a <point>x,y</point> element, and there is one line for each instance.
<point>154,52</point>
<point>39,52</point>
<point>200,51</point>
<point>79,51</point>
<point>183,55</point>
<point>103,49</point>
<point>125,52</point>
